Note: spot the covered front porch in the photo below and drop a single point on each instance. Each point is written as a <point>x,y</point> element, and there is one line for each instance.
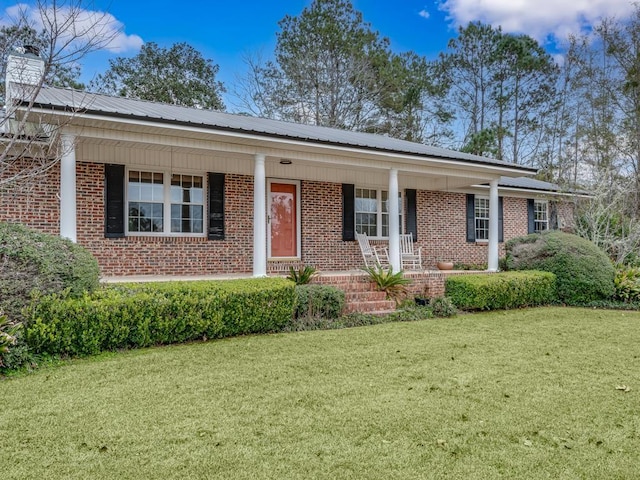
<point>158,190</point>
<point>240,208</point>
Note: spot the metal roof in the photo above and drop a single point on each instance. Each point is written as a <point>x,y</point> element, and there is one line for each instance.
<point>119,107</point>
<point>526,183</point>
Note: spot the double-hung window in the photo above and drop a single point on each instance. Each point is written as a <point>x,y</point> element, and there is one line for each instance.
<point>540,216</point>
<point>481,210</point>
<point>372,212</point>
<point>163,203</point>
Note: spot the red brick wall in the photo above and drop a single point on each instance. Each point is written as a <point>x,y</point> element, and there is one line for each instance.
<point>322,245</point>
<point>441,229</point>
<point>166,255</point>
<point>37,206</point>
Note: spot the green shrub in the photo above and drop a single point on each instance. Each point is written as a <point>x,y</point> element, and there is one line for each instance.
<point>393,284</point>
<point>442,307</point>
<point>501,290</point>
<point>8,336</point>
<point>627,284</point>
<point>302,275</point>
<point>584,272</point>
<point>32,261</point>
<point>140,315</point>
<point>320,301</point>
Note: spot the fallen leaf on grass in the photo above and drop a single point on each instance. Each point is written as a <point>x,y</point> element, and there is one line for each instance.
<point>623,388</point>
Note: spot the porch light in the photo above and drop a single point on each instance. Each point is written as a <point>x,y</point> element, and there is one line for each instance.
<point>284,161</point>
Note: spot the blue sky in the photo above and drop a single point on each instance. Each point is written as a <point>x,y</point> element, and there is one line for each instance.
<point>225,30</point>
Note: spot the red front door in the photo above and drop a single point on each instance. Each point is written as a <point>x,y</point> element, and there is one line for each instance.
<point>283,220</point>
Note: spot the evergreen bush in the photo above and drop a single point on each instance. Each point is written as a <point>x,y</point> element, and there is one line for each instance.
<point>32,261</point>
<point>584,272</point>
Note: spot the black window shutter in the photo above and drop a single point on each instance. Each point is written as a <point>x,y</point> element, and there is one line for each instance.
<point>216,206</point>
<point>500,220</point>
<point>348,212</point>
<point>411,213</point>
<point>531,226</point>
<point>471,217</point>
<point>114,201</point>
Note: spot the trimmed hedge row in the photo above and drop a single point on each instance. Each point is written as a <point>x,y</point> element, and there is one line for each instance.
<point>501,290</point>
<point>140,315</point>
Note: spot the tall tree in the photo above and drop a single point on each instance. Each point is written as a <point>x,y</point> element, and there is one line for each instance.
<point>621,47</point>
<point>332,69</point>
<point>501,88</point>
<point>411,104</point>
<point>523,88</point>
<point>468,67</point>
<point>178,75</point>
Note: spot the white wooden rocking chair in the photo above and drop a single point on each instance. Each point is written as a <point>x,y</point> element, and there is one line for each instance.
<point>411,258</point>
<point>371,256</point>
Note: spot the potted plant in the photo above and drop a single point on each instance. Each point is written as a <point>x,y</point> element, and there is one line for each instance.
<point>442,265</point>
<point>423,299</point>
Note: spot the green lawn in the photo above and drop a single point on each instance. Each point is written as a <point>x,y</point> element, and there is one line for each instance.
<point>518,394</point>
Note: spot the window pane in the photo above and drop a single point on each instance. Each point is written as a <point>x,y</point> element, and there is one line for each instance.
<point>197,195</point>
<point>176,193</point>
<point>372,215</point>
<point>146,197</point>
<point>145,192</point>
<point>196,212</point>
<point>482,218</point>
<point>541,219</point>
<point>187,209</point>
<point>366,208</point>
<point>366,223</point>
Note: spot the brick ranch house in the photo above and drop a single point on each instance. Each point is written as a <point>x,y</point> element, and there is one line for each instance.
<point>155,189</point>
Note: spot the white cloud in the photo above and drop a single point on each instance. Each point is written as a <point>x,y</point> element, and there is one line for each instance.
<point>84,25</point>
<point>537,18</point>
<point>424,13</point>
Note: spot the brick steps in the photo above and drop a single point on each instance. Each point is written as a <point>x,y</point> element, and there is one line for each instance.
<point>377,307</point>
<point>360,294</point>
<point>364,296</point>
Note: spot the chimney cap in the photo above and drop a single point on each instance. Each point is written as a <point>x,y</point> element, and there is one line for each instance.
<point>32,49</point>
<point>28,50</point>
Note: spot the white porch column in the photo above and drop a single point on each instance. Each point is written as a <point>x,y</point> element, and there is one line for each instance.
<point>68,214</point>
<point>259,218</point>
<point>492,260</point>
<point>394,223</point>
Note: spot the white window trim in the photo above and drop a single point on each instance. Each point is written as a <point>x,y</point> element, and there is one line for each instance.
<point>546,222</point>
<point>166,206</point>
<point>475,218</point>
<point>298,219</point>
<point>379,212</point>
